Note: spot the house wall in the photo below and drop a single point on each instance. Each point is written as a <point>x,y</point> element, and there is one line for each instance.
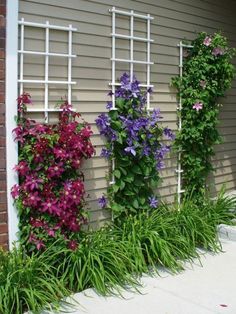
<point>174,21</point>
<point>3,200</point>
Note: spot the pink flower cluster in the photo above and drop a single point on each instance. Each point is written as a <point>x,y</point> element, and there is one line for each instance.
<point>217,51</point>
<point>51,188</point>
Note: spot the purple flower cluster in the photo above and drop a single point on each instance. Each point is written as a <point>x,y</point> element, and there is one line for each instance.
<point>104,125</point>
<point>133,134</point>
<point>169,134</point>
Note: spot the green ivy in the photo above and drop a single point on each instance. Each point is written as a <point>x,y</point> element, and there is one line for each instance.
<point>207,74</point>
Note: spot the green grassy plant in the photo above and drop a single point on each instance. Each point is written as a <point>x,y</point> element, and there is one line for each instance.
<point>114,257</point>
<point>102,261</point>
<point>28,283</point>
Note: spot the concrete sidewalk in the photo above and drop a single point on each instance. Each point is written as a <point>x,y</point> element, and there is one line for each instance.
<point>205,289</point>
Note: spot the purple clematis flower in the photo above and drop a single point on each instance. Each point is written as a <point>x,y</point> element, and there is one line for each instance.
<point>109,105</point>
<point>102,201</point>
<point>168,134</point>
<point>130,149</point>
<point>153,201</point>
<point>106,153</point>
<point>160,165</point>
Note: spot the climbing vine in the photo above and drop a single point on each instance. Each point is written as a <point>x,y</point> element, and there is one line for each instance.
<point>50,196</point>
<point>135,140</point>
<point>207,74</point>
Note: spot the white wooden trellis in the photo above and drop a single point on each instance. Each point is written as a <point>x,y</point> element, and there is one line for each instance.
<point>47,54</point>
<point>179,169</point>
<point>131,60</point>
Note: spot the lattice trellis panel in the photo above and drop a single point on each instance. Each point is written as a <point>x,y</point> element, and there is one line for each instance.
<point>131,61</point>
<point>46,54</point>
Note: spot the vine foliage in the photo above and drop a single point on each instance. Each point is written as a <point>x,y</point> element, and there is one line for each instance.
<point>207,74</point>
<point>135,140</point>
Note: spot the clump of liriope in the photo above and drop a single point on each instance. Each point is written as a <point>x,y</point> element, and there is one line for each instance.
<point>102,262</point>
<point>207,75</point>
<point>114,257</point>
<point>28,283</point>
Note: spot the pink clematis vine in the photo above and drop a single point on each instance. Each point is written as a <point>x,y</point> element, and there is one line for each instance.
<point>198,106</point>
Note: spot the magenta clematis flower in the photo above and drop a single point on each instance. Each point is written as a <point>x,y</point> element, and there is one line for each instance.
<point>20,133</point>
<point>76,163</point>
<point>59,153</point>
<point>50,206</point>
<point>32,237</point>
<point>56,170</point>
<point>32,182</point>
<point>22,168</point>
<point>197,106</point>
<point>207,41</point>
<point>86,132</point>
<point>38,158</point>
<point>73,245</point>
<point>33,199</point>
<point>40,245</point>
<point>22,100</point>
<point>51,232</point>
<point>73,224</point>
<point>15,191</point>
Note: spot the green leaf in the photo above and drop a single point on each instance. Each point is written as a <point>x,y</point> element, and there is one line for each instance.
<point>142,200</point>
<point>129,178</point>
<point>136,169</point>
<point>120,102</point>
<point>135,204</point>
<point>117,173</point>
<point>115,188</point>
<point>129,193</point>
<point>123,171</point>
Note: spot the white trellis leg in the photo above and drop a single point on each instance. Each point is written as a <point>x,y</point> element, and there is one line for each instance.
<point>46,72</point>
<point>113,55</point>
<point>131,45</point>
<point>113,88</point>
<point>22,36</point>
<point>179,169</point>
<point>148,61</point>
<point>69,62</point>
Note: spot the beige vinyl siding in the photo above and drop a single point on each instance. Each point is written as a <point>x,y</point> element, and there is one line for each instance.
<point>174,20</point>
